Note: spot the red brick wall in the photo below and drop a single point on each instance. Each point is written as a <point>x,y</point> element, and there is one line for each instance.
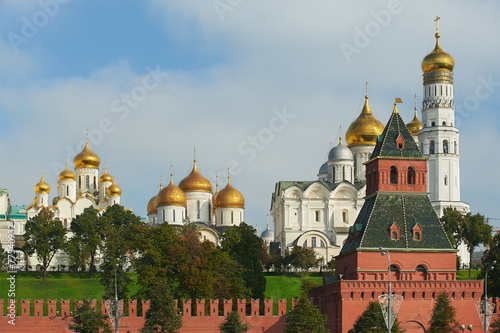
<point>201,321</point>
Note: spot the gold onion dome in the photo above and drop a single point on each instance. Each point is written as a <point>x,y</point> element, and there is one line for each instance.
<point>195,182</point>
<point>153,203</point>
<point>415,125</point>
<point>67,174</point>
<point>105,177</point>
<point>35,201</point>
<point>229,197</point>
<point>114,190</point>
<point>87,159</point>
<point>42,187</point>
<point>438,60</point>
<point>171,196</point>
<point>364,130</point>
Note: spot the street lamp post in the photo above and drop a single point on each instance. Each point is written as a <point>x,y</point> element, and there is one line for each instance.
<point>486,295</point>
<point>389,312</point>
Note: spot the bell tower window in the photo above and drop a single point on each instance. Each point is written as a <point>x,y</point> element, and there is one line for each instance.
<point>431,147</point>
<point>394,175</point>
<point>411,176</point>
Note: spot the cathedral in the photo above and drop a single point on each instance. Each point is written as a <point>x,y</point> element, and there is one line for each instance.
<point>318,213</point>
<point>193,201</point>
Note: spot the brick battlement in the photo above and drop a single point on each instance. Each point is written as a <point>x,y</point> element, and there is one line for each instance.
<point>202,315</point>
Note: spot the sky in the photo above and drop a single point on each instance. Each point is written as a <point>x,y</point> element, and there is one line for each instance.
<point>262,86</point>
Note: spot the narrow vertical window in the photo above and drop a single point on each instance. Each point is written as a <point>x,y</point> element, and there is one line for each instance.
<point>221,218</point>
<point>87,182</point>
<point>232,219</point>
<point>198,207</point>
<point>431,147</point>
<point>174,214</point>
<point>67,190</point>
<point>313,241</point>
<point>411,176</point>
<point>80,182</point>
<point>316,216</point>
<point>394,175</point>
<point>455,149</point>
<point>445,146</point>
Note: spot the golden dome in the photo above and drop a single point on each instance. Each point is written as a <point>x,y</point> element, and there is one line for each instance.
<point>214,197</point>
<point>105,177</point>
<point>114,189</point>
<point>364,130</point>
<point>42,187</point>
<point>87,159</point>
<point>229,197</point>
<point>195,182</point>
<point>35,201</point>
<point>438,60</point>
<point>415,125</point>
<point>67,174</point>
<point>153,203</point>
<point>171,196</point>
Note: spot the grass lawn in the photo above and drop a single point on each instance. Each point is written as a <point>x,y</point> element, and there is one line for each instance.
<point>464,275</point>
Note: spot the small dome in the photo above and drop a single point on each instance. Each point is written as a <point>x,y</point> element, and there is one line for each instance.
<point>438,60</point>
<point>229,197</point>
<point>171,196</point>
<point>42,187</point>
<point>214,197</point>
<point>35,201</point>
<point>67,174</point>
<point>340,152</point>
<point>415,125</point>
<point>323,169</point>
<point>195,182</point>
<point>105,177</point>
<point>153,203</point>
<point>114,189</point>
<point>87,159</point>
<point>268,233</point>
<point>364,130</point>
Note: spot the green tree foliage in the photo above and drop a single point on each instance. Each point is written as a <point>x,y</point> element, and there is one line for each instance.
<point>268,258</point>
<point>122,233</point>
<point>3,259</point>
<point>88,320</point>
<point>303,258</point>
<point>443,316</point>
<point>86,229</point>
<point>372,321</point>
<point>475,231</point>
<point>162,315</point>
<point>330,267</point>
<point>452,221</point>
<point>245,247</point>
<point>45,236</point>
<point>305,317</point>
<point>233,324</point>
<point>495,325</point>
<point>78,256</point>
<point>491,254</point>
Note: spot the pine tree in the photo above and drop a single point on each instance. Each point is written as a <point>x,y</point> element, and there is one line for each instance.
<point>88,320</point>
<point>372,321</point>
<point>162,315</point>
<point>305,317</point>
<point>233,324</point>
<point>443,316</point>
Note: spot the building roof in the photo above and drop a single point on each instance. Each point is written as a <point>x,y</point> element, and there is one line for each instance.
<point>304,185</point>
<point>379,212</point>
<point>387,142</point>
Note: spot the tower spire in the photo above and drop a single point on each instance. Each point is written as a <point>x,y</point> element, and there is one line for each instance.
<point>437,24</point>
<point>340,137</point>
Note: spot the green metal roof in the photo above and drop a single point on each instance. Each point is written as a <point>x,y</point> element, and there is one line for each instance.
<point>17,212</point>
<point>381,211</point>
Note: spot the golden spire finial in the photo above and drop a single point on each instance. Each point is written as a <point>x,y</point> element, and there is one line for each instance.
<point>397,100</point>
<point>86,135</point>
<point>194,153</point>
<point>437,24</point>
<point>216,182</point>
<point>172,174</point>
<point>228,183</point>
<point>161,181</point>
<point>366,89</point>
<point>340,137</point>
<point>415,103</point>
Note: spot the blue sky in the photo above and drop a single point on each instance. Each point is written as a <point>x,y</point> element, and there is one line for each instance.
<point>227,69</point>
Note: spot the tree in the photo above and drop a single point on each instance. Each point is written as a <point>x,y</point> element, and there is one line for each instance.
<point>305,317</point>
<point>474,232</point>
<point>45,236</point>
<point>3,259</point>
<point>443,316</point>
<point>162,315</point>
<point>245,247</point>
<point>372,321</point>
<point>88,320</point>
<point>87,229</point>
<point>491,254</point>
<point>233,324</point>
<point>303,258</point>
<point>78,257</point>
<point>495,326</point>
<point>452,220</point>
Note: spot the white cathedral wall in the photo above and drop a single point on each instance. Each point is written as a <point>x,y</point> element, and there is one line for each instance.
<point>103,187</point>
<point>361,154</point>
<point>229,216</point>
<point>81,204</point>
<point>81,182</point>
<point>204,213</point>
<point>171,215</point>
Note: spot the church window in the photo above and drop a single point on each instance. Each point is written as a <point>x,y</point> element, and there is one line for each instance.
<point>445,146</point>
<point>441,90</point>
<point>80,182</point>
<point>95,181</point>
<point>420,268</point>
<point>455,151</point>
<point>41,199</point>
<point>87,182</point>
<point>316,216</point>
<point>435,90</point>
<point>345,216</point>
<point>209,212</point>
<point>343,172</point>
<point>411,176</point>
<point>198,207</point>
<point>305,243</point>
<point>422,147</point>
<point>65,223</point>
<point>221,218</point>
<point>444,123</point>
<point>313,241</point>
<point>232,219</point>
<point>394,235</point>
<point>333,173</point>
<point>174,215</point>
<point>433,124</point>
<point>67,190</point>
<point>394,175</point>
<point>431,147</point>
<point>445,180</point>
<point>417,235</point>
<point>164,216</point>
<point>322,244</point>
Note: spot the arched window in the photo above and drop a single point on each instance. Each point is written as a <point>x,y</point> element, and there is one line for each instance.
<point>431,147</point>
<point>345,216</point>
<point>316,216</point>
<point>455,149</point>
<point>87,180</point>
<point>322,244</point>
<point>445,180</point>
<point>444,123</point>
<point>445,146</point>
<point>209,212</point>
<point>394,235</point>
<point>305,243</point>
<point>433,124</point>
<point>313,241</point>
<point>411,175</point>
<point>333,174</point>
<point>394,175</point>
<point>174,214</point>
<point>232,218</point>
<point>417,235</point>
<point>80,182</point>
<point>198,207</point>
<point>67,190</point>
<point>95,182</point>
<point>221,218</point>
